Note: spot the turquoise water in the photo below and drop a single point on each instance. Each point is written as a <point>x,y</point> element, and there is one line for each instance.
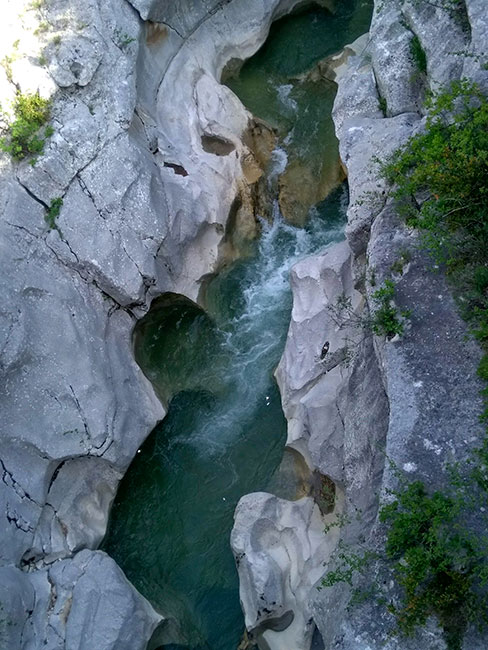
<point>224,433</point>
<point>223,436</point>
<point>276,85</point>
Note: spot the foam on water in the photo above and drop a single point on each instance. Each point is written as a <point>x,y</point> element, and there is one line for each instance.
<point>279,161</point>
<point>287,102</point>
<point>253,337</point>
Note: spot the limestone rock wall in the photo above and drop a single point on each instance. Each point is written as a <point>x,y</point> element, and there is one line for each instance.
<point>148,157</point>
<point>414,400</point>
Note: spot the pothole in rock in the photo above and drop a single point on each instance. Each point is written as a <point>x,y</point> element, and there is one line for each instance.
<point>217,145</point>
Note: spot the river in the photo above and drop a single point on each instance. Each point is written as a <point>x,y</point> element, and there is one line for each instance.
<point>224,433</point>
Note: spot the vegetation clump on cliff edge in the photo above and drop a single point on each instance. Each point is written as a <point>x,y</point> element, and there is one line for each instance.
<point>441,185</point>
<point>25,133</point>
<point>450,162</point>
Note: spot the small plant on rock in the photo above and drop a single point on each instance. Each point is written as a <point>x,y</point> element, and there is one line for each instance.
<point>122,39</point>
<point>387,320</point>
<point>41,28</point>
<point>418,54</point>
<point>348,564</point>
<point>399,264</point>
<point>53,212</point>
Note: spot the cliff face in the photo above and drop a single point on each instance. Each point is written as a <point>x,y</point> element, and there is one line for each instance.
<point>370,406</point>
<point>147,156</point>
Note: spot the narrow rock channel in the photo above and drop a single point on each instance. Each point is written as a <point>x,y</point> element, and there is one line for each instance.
<point>225,431</point>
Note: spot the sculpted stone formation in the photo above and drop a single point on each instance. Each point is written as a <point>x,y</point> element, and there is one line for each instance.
<point>149,155</point>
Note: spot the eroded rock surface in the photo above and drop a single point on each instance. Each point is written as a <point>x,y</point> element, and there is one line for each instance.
<point>148,156</point>
<point>280,550</point>
<point>413,400</point>
<point>82,604</point>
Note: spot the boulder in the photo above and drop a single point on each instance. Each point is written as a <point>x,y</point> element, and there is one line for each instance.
<point>80,603</point>
<point>279,548</point>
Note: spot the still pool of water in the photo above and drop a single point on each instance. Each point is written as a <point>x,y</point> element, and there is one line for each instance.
<point>224,433</point>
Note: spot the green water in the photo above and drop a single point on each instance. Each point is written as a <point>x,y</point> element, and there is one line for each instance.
<point>224,433</point>
<point>223,436</point>
<point>276,85</point>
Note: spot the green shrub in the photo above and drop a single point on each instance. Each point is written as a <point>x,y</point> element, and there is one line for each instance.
<point>402,260</point>
<point>483,368</point>
<point>24,134</point>
<point>449,163</point>
<point>384,319</point>
<point>6,64</point>
<point>435,560</point>
<point>418,54</point>
<point>41,28</point>
<point>348,564</point>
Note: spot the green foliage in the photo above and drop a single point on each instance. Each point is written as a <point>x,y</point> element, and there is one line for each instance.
<point>449,164</point>
<point>53,212</point>
<point>122,39</point>
<point>440,565</point>
<point>6,64</point>
<point>387,320</point>
<point>383,105</point>
<point>418,54</point>
<point>441,184</point>
<point>325,494</point>
<point>372,276</point>
<point>483,368</point>
<point>435,560</point>
<point>348,564</point>
<point>41,28</point>
<point>400,263</point>
<point>24,133</point>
